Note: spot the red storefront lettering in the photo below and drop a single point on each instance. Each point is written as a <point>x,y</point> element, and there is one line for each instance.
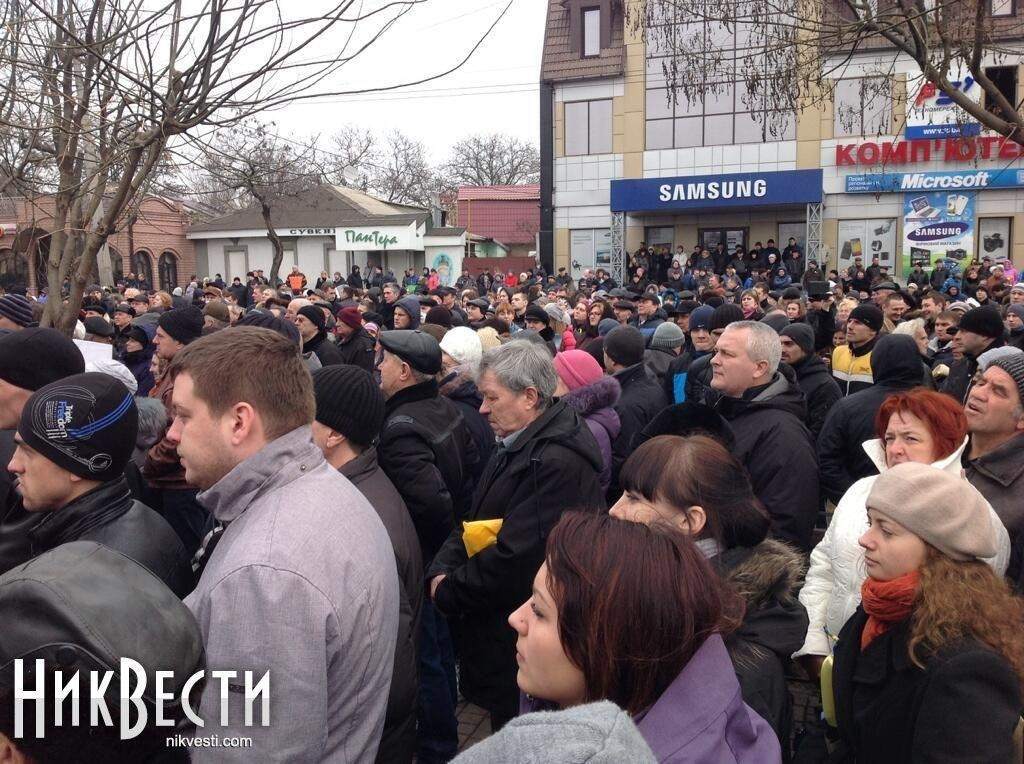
<point>920,151</point>
<point>894,154</point>
<point>1009,149</point>
<point>844,155</point>
<point>868,153</point>
<point>986,145</point>
<point>960,150</point>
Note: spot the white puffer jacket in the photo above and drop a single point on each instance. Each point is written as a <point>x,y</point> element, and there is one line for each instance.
<point>831,590</point>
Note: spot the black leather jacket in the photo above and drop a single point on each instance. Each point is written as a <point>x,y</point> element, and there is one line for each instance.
<point>109,516</point>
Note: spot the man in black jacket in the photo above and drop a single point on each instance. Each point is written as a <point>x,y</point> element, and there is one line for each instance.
<point>980,329</point>
<point>349,416</point>
<point>766,410</point>
<point>427,452</point>
<point>313,328</point>
<point>819,388</point>
<point>354,345</point>
<point>642,397</point>
<point>74,440</point>
<point>29,360</point>
<point>842,460</point>
<point>547,461</point>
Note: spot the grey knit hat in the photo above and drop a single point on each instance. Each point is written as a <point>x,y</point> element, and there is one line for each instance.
<point>1014,366</point>
<point>668,336</point>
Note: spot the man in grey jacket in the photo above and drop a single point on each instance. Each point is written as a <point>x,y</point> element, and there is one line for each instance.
<point>301,582</point>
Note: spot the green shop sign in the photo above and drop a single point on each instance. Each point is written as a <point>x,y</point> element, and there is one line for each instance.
<point>375,239</point>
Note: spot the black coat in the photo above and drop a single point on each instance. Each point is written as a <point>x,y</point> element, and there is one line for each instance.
<point>552,466</point>
<point>398,741</point>
<point>777,450</point>
<point>426,450</point>
<point>820,391</point>
<point>642,398</point>
<point>767,578</point>
<point>962,706</point>
<point>324,349</point>
<point>698,380</point>
<point>109,516</point>
<point>842,461</point>
<point>357,350</point>
<point>467,399</point>
<point>15,520</point>
<point>961,374</point>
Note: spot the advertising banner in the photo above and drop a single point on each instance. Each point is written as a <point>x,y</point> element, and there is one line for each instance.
<point>867,239</point>
<point>898,182</point>
<point>938,225</point>
<point>933,114</point>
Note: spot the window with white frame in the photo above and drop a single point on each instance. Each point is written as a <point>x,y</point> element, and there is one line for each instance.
<point>591,32</point>
<point>1002,7</point>
<point>588,127</point>
<point>863,106</point>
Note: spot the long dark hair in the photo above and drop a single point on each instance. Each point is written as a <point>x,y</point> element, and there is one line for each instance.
<point>635,602</point>
<point>699,471</point>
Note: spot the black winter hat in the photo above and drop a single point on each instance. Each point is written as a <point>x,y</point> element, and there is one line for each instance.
<point>98,326</point>
<point>688,418</point>
<point>439,315</point>
<point>777,321</point>
<point>86,424</point>
<point>16,308</point>
<point>138,334</point>
<point>625,345</point>
<point>315,316</point>
<point>266,320</point>
<point>802,334</point>
<point>726,314</point>
<point>870,315</point>
<point>182,324</point>
<point>984,321</point>
<point>32,358</point>
<point>537,313</point>
<point>349,402</point>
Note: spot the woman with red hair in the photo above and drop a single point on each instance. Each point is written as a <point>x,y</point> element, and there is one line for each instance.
<point>917,425</point>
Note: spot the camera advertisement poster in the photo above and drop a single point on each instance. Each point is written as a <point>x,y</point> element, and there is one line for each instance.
<point>936,226</point>
<point>867,239</point>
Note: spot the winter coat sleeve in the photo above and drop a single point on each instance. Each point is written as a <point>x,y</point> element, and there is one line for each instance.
<point>814,595</point>
<point>789,492</point>
<point>835,479</point>
<point>407,459</point>
<point>632,422</point>
<point>969,711</point>
<point>818,406</point>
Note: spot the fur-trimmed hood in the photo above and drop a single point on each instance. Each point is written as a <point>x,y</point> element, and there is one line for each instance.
<point>602,394</point>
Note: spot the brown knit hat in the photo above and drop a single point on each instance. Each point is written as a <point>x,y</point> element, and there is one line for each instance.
<point>943,510</point>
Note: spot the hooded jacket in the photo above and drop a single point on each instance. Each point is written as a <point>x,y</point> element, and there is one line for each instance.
<point>411,306</point>
<point>820,390</point>
<point>398,742</point>
<point>777,450</point>
<point>463,392</point>
<point>767,578</point>
<point>109,516</point>
<point>551,466</point>
<point>831,592</point>
<point>324,349</point>
<point>595,402</point>
<point>851,422</point>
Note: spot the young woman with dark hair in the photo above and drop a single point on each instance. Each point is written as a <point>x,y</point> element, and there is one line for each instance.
<point>917,425</point>
<point>632,613</point>
<point>930,666</point>
<point>695,484</point>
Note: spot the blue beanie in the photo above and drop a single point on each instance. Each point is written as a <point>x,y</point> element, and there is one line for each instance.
<point>700,318</point>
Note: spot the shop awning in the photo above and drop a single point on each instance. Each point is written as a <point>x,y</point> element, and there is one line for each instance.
<point>713,192</point>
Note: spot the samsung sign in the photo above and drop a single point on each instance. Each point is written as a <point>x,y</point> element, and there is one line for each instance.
<point>744,189</point>
<point>892,182</point>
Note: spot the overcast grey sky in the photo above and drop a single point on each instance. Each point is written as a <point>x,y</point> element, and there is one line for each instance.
<point>496,91</point>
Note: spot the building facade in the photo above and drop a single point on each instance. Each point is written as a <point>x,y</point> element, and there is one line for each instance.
<point>622,165</point>
<point>506,215</point>
<point>330,228</point>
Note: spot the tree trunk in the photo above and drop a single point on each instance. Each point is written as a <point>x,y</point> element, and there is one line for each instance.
<point>275,242</point>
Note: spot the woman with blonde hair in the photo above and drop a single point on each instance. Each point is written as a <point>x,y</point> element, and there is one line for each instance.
<point>930,666</point>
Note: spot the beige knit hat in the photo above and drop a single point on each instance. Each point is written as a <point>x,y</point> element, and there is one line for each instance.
<point>943,510</point>
<point>488,338</point>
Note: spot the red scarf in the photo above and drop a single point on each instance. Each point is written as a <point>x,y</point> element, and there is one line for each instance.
<point>886,603</point>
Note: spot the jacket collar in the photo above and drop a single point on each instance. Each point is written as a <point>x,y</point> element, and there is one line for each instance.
<point>100,506</point>
<point>314,342</point>
<point>361,467</point>
<point>951,464</point>
<point>708,675</point>
<point>1004,464</point>
<point>866,348</point>
<point>420,392</point>
<point>277,464</point>
<point>631,374</point>
<point>536,426</point>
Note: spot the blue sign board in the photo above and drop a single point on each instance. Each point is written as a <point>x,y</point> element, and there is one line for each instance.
<point>900,182</point>
<point>697,192</point>
<point>925,132</point>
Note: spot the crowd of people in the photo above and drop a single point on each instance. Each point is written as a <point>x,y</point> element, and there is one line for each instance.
<point>619,518</point>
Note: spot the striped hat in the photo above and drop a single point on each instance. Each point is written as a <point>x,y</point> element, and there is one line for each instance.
<point>16,308</point>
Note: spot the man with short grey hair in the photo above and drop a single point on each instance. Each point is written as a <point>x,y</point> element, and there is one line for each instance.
<point>546,461</point>
<point>766,409</point>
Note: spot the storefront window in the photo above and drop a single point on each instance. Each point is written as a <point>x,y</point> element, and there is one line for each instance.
<point>863,106</point>
<point>588,127</point>
<point>867,239</point>
<point>994,238</point>
<point>730,237</point>
<point>589,248</point>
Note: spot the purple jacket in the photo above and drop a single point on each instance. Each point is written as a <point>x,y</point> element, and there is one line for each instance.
<point>701,717</point>
<point>594,403</point>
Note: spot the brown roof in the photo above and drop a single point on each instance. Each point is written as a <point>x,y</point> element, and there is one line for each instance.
<point>560,63</point>
<point>323,207</point>
<point>527,191</point>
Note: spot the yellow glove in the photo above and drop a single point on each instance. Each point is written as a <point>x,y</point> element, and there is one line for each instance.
<point>480,534</point>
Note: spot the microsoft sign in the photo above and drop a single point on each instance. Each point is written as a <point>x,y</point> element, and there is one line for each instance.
<point>890,182</point>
